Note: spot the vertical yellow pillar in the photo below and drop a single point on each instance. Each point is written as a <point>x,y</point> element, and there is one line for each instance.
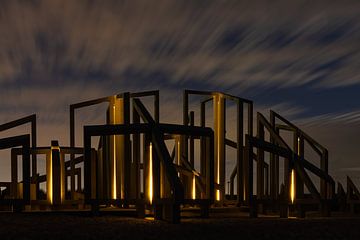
<point>292,186</point>
<point>178,151</point>
<point>49,178</point>
<point>150,175</point>
<point>116,116</point>
<point>293,177</point>
<point>193,187</point>
<point>55,175</point>
<point>219,135</point>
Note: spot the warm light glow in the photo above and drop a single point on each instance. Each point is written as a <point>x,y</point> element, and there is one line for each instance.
<point>114,190</point>
<point>292,186</point>
<point>217,195</point>
<point>193,188</point>
<point>150,181</point>
<point>178,155</point>
<point>49,179</point>
<point>150,218</point>
<point>218,150</point>
<point>50,174</point>
<point>292,183</point>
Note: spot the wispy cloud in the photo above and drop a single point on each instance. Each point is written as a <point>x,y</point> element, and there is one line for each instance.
<point>55,52</point>
<point>353,169</point>
<point>280,44</point>
<point>348,118</point>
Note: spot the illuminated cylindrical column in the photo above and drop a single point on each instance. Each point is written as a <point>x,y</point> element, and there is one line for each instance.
<point>193,188</point>
<point>293,174</point>
<point>116,154</point>
<point>150,189</point>
<point>292,186</point>
<point>178,151</point>
<point>55,175</point>
<point>219,135</point>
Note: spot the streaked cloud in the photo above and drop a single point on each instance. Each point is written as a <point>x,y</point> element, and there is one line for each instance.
<point>301,59</point>
<point>221,43</point>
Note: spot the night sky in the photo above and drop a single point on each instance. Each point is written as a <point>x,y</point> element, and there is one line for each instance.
<point>298,57</point>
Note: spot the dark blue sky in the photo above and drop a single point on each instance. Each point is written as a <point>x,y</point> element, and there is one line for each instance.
<point>297,57</point>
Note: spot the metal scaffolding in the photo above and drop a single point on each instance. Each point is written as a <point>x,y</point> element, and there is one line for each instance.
<point>155,168</point>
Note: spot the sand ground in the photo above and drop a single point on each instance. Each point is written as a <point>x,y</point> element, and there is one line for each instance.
<point>65,226</point>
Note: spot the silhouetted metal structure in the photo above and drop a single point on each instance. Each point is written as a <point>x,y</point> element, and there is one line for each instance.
<point>156,168</point>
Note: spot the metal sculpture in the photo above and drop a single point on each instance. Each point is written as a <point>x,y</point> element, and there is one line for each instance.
<point>155,168</point>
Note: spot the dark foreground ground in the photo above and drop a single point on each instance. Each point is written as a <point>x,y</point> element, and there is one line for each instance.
<point>65,226</point>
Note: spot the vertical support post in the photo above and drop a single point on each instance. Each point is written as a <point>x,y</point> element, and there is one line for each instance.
<point>192,139</point>
<point>119,153</point>
<point>300,152</point>
<point>191,179</point>
<point>250,119</point>
<point>101,166</point>
<point>324,167</point>
<point>209,142</point>
<point>273,189</point>
<point>219,131</point>
<point>114,117</point>
<point>55,172</point>
<point>79,180</point>
<point>156,181</point>
<point>299,190</point>
<point>246,160</point>
<point>126,155</point>
<point>49,178</point>
<point>26,171</point>
<point>186,123</point>
<point>276,173</point>
<point>157,107</point>
<point>146,179</point>
<point>14,174</point>
<point>266,176</point>
<point>250,196</point>
<point>136,159</point>
<point>33,145</point>
<point>260,162</point>
<point>72,156</point>
<point>203,149</point>
<point>87,168</point>
<point>240,151</point>
<point>107,163</point>
<point>184,153</point>
<point>178,151</point>
<point>293,177</point>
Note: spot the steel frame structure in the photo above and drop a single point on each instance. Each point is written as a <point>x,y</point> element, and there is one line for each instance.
<point>132,167</point>
<point>55,177</point>
<point>19,200</point>
<point>292,160</point>
<point>167,188</point>
<point>219,107</point>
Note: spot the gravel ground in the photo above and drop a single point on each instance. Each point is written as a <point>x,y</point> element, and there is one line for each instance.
<point>62,226</point>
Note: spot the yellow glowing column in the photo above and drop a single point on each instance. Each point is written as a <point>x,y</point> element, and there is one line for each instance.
<point>193,188</point>
<point>292,182</point>
<point>55,176</point>
<point>114,175</point>
<point>114,157</point>
<point>178,151</point>
<point>150,175</point>
<point>219,134</point>
<point>116,116</point>
<point>292,186</point>
<point>49,178</point>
